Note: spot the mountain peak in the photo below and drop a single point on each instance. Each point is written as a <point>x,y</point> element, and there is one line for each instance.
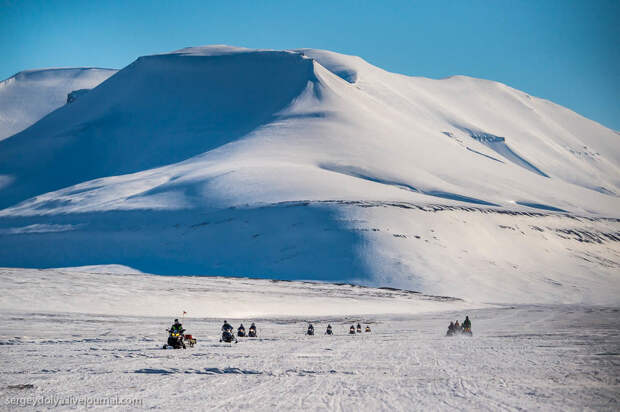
<point>230,160</point>
<point>29,95</point>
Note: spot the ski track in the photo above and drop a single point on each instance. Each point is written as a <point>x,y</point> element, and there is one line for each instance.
<point>521,358</point>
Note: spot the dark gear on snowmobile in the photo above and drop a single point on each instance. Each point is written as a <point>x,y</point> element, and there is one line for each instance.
<point>451,329</point>
<point>467,327</point>
<point>175,340</point>
<point>252,331</point>
<point>226,326</point>
<point>175,336</point>
<point>228,337</point>
<point>177,326</point>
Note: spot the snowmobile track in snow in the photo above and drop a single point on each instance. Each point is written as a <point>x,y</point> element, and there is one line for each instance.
<point>562,357</point>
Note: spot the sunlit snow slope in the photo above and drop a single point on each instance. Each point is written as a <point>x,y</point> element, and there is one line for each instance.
<point>29,95</point>
<point>310,164</point>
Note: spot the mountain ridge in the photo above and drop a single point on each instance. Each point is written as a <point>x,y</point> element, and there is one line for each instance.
<point>296,164</point>
<point>29,95</point>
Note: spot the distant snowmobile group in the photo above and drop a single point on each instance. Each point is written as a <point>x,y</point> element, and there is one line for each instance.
<point>228,336</point>
<point>177,338</point>
<point>456,328</point>
<point>329,331</point>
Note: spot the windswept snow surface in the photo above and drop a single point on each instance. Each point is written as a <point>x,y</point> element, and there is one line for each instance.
<point>31,94</point>
<point>121,290</point>
<point>72,337</point>
<point>308,164</point>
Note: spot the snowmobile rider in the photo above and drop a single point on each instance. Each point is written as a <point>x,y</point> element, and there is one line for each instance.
<point>367,328</point>
<point>177,327</point>
<point>467,323</point>
<point>352,329</point>
<point>457,326</point>
<point>241,327</point>
<point>310,328</point>
<point>226,326</point>
<point>253,327</point>
<point>328,331</point>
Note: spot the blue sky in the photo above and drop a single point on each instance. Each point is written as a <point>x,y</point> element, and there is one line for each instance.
<point>565,51</point>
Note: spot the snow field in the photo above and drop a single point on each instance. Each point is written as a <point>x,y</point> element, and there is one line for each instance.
<point>58,344</point>
<point>526,357</point>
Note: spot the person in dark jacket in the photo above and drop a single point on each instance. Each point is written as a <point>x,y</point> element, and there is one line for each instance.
<point>467,323</point>
<point>227,326</point>
<point>175,342</point>
<point>451,329</point>
<point>177,327</point>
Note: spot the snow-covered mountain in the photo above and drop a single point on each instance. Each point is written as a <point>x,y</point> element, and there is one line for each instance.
<point>31,94</point>
<point>309,164</point>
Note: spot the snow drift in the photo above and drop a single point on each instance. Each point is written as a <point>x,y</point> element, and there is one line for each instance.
<point>309,164</point>
<point>123,292</point>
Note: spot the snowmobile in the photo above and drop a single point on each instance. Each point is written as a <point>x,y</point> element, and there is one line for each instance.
<point>175,340</point>
<point>359,328</point>
<point>466,327</point>
<point>241,332</point>
<point>452,330</point>
<point>227,336</point>
<point>252,332</point>
<point>310,330</point>
<point>367,329</point>
<point>352,330</point>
